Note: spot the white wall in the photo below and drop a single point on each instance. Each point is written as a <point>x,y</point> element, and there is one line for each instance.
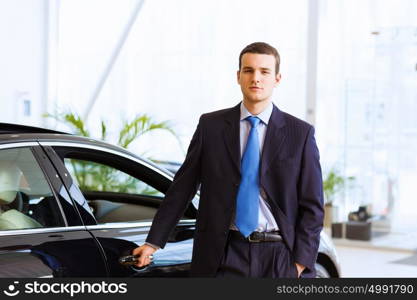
<point>22,60</point>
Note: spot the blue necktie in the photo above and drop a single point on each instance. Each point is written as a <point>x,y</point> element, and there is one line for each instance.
<point>247,205</point>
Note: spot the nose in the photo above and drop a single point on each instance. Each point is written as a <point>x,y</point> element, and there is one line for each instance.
<point>256,76</point>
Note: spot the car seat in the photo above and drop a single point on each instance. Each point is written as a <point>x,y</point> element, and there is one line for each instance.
<point>11,202</point>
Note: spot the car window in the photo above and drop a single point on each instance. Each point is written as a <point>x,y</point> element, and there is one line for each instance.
<point>26,198</point>
<point>113,195</point>
<point>92,176</point>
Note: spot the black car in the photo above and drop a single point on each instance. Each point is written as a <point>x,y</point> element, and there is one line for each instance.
<point>72,206</point>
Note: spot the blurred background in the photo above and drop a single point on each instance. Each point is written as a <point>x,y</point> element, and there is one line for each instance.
<point>348,67</point>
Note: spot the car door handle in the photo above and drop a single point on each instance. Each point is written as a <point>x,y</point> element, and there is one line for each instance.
<point>131,260</point>
<point>55,236</point>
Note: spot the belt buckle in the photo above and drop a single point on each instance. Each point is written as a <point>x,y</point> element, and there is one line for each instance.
<point>253,241</point>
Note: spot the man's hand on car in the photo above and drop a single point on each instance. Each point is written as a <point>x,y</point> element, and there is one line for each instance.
<point>144,254</point>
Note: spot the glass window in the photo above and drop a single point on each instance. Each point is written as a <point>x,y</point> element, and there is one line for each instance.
<point>366,124</point>
<point>196,44</point>
<point>113,195</point>
<point>92,176</point>
<point>26,199</point>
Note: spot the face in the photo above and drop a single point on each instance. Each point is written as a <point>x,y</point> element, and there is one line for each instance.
<point>257,78</point>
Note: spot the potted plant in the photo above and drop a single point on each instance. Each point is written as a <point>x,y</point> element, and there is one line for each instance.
<point>332,185</point>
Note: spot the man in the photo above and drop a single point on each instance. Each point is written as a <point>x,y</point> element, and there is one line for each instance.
<point>261,201</point>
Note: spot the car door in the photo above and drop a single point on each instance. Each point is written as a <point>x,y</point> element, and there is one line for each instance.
<point>124,193</point>
<point>41,233</point>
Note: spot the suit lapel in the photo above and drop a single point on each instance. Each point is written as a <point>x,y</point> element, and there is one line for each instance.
<point>274,139</point>
<point>232,135</point>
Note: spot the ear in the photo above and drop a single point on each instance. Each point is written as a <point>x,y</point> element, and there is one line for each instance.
<point>277,79</point>
<point>238,76</point>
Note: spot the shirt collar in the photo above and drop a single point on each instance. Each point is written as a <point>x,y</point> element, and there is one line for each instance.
<point>264,115</point>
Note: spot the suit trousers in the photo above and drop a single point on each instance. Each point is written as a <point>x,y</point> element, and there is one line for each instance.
<point>256,260</point>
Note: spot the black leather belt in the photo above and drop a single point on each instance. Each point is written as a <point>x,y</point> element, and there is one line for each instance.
<point>256,237</point>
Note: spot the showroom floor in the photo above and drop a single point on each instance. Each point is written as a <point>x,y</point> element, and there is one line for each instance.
<point>368,262</point>
<point>391,255</point>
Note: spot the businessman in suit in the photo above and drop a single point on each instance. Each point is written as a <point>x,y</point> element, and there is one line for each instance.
<point>261,200</point>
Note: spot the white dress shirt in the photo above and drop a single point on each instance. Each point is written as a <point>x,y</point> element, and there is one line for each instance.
<point>266,221</point>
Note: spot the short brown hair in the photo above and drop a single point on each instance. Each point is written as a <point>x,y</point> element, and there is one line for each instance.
<point>261,48</point>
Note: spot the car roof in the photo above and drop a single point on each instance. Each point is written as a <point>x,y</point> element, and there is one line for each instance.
<point>9,128</point>
<point>16,133</point>
<point>22,133</point>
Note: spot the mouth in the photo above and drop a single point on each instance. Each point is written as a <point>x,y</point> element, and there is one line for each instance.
<point>255,88</point>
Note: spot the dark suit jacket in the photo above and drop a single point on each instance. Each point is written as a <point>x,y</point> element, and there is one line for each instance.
<point>290,174</point>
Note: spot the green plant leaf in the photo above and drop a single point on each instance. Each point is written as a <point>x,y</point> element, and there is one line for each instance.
<point>333,184</point>
<point>72,120</point>
<point>140,125</point>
